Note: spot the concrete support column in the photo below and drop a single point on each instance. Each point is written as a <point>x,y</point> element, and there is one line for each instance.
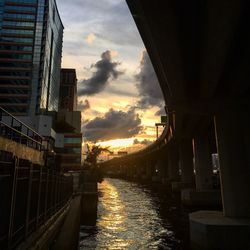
<point>232,132</point>
<point>135,172</point>
<point>154,171</point>
<point>148,169</point>
<point>203,162</point>
<point>140,168</point>
<point>186,161</point>
<point>173,162</point>
<point>163,166</point>
<point>211,229</point>
<point>130,171</point>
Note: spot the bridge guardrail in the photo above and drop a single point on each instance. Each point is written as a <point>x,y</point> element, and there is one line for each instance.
<point>15,130</point>
<point>165,137</point>
<point>30,195</point>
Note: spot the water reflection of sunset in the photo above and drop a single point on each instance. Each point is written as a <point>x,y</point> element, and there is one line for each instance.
<point>126,219</point>
<point>113,219</point>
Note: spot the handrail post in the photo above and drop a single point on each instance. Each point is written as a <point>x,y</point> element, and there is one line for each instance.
<point>27,142</point>
<point>28,200</point>
<point>46,194</point>
<point>12,121</point>
<point>39,196</point>
<point>13,200</point>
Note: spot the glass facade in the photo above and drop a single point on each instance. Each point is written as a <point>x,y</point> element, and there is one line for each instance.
<point>20,8</point>
<point>18,24</point>
<point>30,56</point>
<point>16,46</point>
<point>52,61</point>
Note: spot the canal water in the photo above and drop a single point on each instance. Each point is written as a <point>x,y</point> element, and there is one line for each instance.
<point>135,216</point>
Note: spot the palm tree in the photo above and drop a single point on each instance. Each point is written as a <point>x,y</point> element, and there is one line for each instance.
<point>93,153</point>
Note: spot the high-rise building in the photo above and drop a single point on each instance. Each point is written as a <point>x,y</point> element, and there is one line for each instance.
<point>68,90</point>
<point>31,35</point>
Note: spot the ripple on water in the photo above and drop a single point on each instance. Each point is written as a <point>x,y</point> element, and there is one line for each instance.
<point>127,219</point>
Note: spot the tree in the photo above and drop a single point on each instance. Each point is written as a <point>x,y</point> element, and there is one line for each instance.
<point>93,153</point>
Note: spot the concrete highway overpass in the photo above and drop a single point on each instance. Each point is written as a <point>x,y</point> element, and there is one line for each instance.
<point>200,51</point>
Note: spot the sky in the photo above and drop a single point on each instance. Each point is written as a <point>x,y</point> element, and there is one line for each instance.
<point>118,91</point>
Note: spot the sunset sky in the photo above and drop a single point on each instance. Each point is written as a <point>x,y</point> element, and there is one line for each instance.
<point>118,92</point>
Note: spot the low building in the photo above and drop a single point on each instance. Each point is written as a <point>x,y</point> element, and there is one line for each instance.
<point>68,144</point>
<point>71,153</point>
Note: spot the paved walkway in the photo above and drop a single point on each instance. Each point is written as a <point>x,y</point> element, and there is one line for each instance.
<point>68,236</point>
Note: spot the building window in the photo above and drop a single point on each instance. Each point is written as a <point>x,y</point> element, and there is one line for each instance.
<point>72,140</point>
<point>72,150</point>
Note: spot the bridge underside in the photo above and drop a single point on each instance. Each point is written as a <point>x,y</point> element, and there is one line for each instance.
<point>200,51</point>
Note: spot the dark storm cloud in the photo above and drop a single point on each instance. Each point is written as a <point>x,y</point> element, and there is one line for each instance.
<point>83,105</point>
<point>113,125</point>
<point>148,85</point>
<point>143,142</point>
<point>105,70</point>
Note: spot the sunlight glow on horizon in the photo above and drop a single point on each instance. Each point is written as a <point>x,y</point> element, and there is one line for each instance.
<point>116,143</point>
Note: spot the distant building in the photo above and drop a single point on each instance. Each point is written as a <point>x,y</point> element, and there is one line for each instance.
<point>68,123</point>
<point>31,34</point>
<point>72,118</point>
<point>70,151</point>
<point>68,90</point>
<point>69,140</point>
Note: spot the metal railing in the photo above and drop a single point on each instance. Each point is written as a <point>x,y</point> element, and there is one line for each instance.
<point>30,195</point>
<point>15,130</point>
